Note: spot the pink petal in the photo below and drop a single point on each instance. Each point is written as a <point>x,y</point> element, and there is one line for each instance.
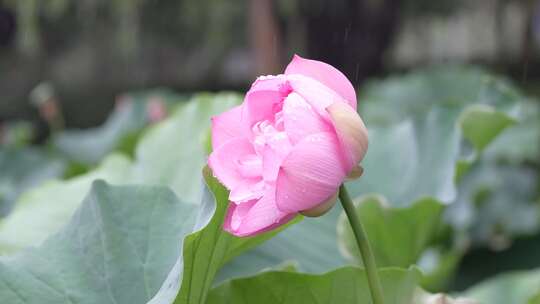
<point>255,217</point>
<point>248,189</point>
<point>225,159</point>
<point>315,93</point>
<point>275,150</point>
<point>301,119</point>
<point>228,125</point>
<point>236,213</point>
<point>310,174</point>
<point>264,98</point>
<point>324,73</point>
<point>261,106</point>
<point>250,165</point>
<point>271,83</point>
<point>351,131</point>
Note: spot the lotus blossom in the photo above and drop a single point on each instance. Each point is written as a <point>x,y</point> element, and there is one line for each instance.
<point>287,148</point>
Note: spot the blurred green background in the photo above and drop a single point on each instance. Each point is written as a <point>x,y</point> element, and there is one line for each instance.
<point>91,51</point>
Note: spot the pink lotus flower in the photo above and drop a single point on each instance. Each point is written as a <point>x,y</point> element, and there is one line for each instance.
<point>288,147</point>
<point>156,109</point>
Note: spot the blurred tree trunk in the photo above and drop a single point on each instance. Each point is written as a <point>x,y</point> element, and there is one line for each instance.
<point>7,27</point>
<point>264,37</point>
<point>500,51</point>
<point>352,35</point>
<point>527,37</point>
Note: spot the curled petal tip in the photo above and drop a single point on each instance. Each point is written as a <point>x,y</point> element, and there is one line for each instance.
<point>351,131</point>
<point>355,173</point>
<point>325,74</point>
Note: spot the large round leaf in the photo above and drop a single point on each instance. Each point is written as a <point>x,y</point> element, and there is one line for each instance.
<point>118,248</point>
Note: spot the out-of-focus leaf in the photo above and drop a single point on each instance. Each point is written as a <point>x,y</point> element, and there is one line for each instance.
<point>516,288</point>
<point>521,142</point>
<point>172,153</point>
<point>496,202</point>
<point>344,285</point>
<point>534,299</point>
<point>481,124</point>
<point>418,123</point>
<point>22,169</point>
<point>117,248</point>
<point>401,237</point>
<point>119,132</point>
<point>16,134</point>
<point>417,157</point>
<point>399,98</point>
<point>439,265</point>
<point>398,236</point>
<point>89,146</point>
<point>44,210</point>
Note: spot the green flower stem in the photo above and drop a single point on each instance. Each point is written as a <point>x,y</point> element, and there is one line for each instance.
<point>363,244</point>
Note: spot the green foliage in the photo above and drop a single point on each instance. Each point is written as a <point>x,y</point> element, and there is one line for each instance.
<point>173,152</point>
<point>51,205</point>
<point>492,122</point>
<point>401,237</point>
<point>517,288</point>
<point>410,229</point>
<point>481,124</point>
<point>343,285</point>
<point>521,142</point>
<point>205,251</point>
<point>312,244</point>
<point>496,202</point>
<point>118,248</point>
<point>22,168</point>
<point>125,240</point>
<point>398,98</point>
<point>418,125</point>
<point>89,146</point>
<point>413,159</point>
<point>426,129</point>
<point>446,146</point>
<point>44,210</point>
<point>16,134</point>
